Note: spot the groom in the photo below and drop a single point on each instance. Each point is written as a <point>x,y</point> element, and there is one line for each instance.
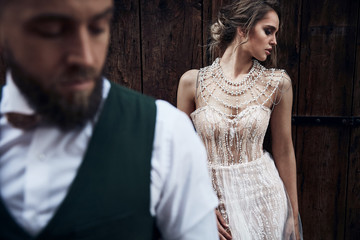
<point>81,157</point>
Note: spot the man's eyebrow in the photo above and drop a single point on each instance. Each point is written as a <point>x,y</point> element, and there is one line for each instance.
<point>107,13</point>
<point>50,17</point>
<point>54,17</point>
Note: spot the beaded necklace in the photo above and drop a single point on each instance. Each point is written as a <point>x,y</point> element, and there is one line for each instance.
<point>234,89</point>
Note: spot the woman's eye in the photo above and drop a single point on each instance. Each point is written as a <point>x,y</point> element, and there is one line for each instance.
<point>267,31</point>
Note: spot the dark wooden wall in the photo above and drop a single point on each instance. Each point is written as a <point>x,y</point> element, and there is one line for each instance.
<point>155,42</point>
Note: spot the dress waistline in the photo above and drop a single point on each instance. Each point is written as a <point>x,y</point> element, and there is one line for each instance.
<point>264,160</point>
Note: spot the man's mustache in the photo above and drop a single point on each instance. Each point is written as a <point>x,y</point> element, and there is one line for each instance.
<point>79,74</point>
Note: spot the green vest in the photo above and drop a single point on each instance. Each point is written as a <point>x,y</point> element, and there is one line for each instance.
<point>110,195</point>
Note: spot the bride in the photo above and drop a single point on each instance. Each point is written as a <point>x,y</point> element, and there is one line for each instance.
<point>231,104</point>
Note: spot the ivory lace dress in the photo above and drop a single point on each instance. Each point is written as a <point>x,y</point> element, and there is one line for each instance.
<point>231,119</point>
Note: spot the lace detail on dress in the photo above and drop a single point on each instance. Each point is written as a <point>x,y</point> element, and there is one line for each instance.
<point>231,119</point>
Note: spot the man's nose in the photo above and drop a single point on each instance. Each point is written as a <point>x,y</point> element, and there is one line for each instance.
<point>80,50</point>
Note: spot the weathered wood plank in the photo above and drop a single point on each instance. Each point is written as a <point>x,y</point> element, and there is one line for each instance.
<point>322,173</point>
<point>352,230</point>
<point>325,83</point>
<point>124,59</point>
<point>288,48</point>
<point>171,40</point>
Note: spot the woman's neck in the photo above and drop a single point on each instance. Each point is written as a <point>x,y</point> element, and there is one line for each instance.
<point>235,62</point>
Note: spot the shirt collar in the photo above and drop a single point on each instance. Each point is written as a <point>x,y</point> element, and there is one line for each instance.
<point>14,101</point>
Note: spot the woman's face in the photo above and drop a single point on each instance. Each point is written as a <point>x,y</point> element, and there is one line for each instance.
<point>262,38</point>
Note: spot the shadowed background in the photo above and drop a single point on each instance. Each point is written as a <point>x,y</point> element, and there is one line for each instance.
<point>154,42</point>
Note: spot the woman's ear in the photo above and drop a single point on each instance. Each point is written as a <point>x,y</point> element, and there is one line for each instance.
<point>241,32</point>
<point>241,36</point>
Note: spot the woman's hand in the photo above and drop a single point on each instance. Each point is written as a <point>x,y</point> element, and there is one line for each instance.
<point>223,228</point>
<point>297,230</point>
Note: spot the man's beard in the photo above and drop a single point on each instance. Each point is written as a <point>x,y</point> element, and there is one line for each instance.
<point>67,112</point>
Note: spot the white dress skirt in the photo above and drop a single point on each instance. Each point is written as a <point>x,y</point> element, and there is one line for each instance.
<point>232,118</point>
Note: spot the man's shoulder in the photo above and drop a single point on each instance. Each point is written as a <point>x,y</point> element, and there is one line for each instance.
<point>130,104</point>
<point>129,94</point>
<point>169,113</point>
<point>166,113</point>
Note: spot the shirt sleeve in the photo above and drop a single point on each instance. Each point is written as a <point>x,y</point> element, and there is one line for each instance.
<point>182,199</point>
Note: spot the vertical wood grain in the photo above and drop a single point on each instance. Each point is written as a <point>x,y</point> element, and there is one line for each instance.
<point>352,230</point>
<point>171,44</point>
<point>325,83</point>
<point>123,63</point>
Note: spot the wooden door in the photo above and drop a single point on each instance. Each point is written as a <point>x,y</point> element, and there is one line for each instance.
<point>325,88</point>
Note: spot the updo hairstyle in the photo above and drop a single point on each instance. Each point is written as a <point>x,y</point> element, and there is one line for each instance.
<point>239,13</point>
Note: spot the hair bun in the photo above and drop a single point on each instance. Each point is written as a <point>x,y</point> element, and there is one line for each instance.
<point>216,31</point>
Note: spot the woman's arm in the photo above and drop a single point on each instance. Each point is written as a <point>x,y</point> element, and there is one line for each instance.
<point>186,91</point>
<point>282,145</point>
<point>186,103</point>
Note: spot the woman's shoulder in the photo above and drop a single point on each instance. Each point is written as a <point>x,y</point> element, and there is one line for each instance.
<point>188,81</point>
<point>278,77</point>
<point>189,77</point>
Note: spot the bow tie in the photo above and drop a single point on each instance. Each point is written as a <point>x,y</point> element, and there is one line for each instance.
<point>22,121</point>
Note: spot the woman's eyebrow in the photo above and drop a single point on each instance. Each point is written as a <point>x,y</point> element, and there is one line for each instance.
<point>273,28</point>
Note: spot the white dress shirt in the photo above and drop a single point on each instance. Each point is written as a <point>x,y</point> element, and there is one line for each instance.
<point>38,166</point>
